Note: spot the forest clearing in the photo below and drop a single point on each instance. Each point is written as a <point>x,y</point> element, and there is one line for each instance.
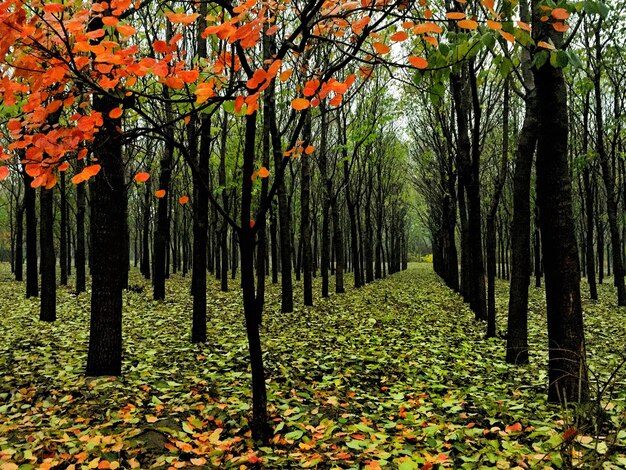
<point>397,374</point>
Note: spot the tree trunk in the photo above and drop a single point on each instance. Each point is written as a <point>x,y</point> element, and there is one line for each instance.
<point>80,257</point>
<point>517,321</point>
<point>32,281</point>
<point>305,216</point>
<point>200,230</point>
<point>48,261</point>
<point>19,242</point>
<point>252,307</point>
<point>108,203</point>
<point>567,367</point>
<point>491,219</point>
<point>63,251</point>
<point>609,181</point>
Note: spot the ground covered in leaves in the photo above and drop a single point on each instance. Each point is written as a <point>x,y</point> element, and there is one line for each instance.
<point>396,374</point>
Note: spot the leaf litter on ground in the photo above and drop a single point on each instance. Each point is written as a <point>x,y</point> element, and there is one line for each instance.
<point>396,374</point>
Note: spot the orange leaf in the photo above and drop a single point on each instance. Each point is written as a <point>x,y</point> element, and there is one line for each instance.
<point>181,17</point>
<point>125,29</point>
<point>142,177</point>
<point>431,40</point>
<point>468,24</point>
<point>357,26</point>
<point>239,102</point>
<point>524,26</point>
<point>284,76</point>
<point>92,170</point>
<point>160,193</point>
<point>418,62</point>
<point>494,25</point>
<point>264,172</point>
<point>560,27</point>
<point>116,113</point>
<point>455,15</point>
<point>560,14</point>
<point>399,36</point>
<point>545,45</point>
<point>63,166</point>
<point>427,27</point>
<point>300,103</point>
<point>309,150</point>
<point>53,8</point>
<point>183,200</point>
<point>517,427</point>
<point>508,36</point>
<point>79,178</point>
<point>381,48</point>
<point>4,172</point>
<point>110,20</point>
<point>160,46</point>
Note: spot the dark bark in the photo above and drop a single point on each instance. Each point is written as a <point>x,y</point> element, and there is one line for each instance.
<point>162,231</point>
<point>305,216</point>
<point>491,218</point>
<point>48,260</point>
<point>63,248</point>
<point>145,255</point>
<point>200,231</point>
<point>284,219</point>
<point>19,242</point>
<point>252,307</point>
<point>609,179</point>
<point>517,324</point>
<point>108,202</point>
<point>517,321</point>
<point>80,258</point>
<point>567,367</point>
<point>32,281</point>
<point>589,206</point>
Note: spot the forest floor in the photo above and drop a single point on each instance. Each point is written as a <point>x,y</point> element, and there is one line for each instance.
<point>396,374</point>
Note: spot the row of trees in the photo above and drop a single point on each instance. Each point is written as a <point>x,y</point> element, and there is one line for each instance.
<point>257,129</point>
<point>525,146</point>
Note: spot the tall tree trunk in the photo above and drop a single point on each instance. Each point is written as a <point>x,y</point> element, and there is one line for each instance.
<point>305,216</point>
<point>32,281</point>
<point>590,205</point>
<point>567,372</point>
<point>200,229</point>
<point>19,242</point>
<point>162,231</point>
<point>327,190</point>
<point>517,321</point>
<point>223,233</point>
<point>108,210</point>
<point>80,257</point>
<point>491,218</point>
<point>145,255</point>
<point>63,251</point>
<point>608,178</point>
<point>284,219</point>
<point>252,307</point>
<point>48,261</point>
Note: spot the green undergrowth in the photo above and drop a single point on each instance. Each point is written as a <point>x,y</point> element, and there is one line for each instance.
<point>396,374</point>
